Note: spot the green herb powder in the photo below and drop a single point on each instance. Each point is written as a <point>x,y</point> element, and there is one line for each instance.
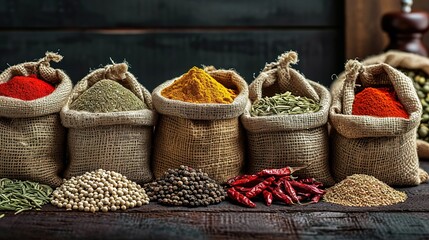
<point>107,96</point>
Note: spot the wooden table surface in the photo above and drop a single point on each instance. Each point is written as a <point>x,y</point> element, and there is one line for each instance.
<point>409,220</point>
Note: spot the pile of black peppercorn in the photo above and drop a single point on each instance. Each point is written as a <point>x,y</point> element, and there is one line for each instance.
<point>185,187</point>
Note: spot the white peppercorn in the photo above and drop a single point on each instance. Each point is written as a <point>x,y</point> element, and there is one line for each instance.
<point>98,191</point>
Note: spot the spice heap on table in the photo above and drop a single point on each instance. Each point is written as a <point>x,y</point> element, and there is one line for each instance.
<point>99,190</point>
<point>274,184</point>
<point>360,190</point>
<point>185,186</point>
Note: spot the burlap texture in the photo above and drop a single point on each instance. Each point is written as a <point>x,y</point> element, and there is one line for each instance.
<point>289,140</point>
<point>203,136</point>
<point>115,141</point>
<point>32,142</point>
<point>402,60</point>
<point>381,147</point>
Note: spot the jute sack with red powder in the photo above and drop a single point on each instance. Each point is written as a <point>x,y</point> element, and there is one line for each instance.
<point>383,147</point>
<point>32,142</point>
<point>205,136</point>
<point>115,141</point>
<point>284,140</point>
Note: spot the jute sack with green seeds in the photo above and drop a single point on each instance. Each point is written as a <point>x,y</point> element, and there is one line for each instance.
<point>293,133</point>
<point>32,139</point>
<point>103,134</point>
<point>417,68</point>
<point>383,147</point>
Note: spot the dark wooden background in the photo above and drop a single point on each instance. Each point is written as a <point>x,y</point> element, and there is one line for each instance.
<point>162,39</point>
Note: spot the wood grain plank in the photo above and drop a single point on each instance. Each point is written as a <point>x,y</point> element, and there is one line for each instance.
<point>162,55</point>
<point>226,225</point>
<point>167,13</point>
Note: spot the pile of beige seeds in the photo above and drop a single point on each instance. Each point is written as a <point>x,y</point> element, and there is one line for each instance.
<point>360,190</point>
<point>99,190</point>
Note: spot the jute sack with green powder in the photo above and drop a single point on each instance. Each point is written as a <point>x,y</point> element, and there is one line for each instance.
<point>407,61</point>
<point>383,147</point>
<point>296,138</point>
<point>205,136</point>
<point>110,118</point>
<point>32,139</point>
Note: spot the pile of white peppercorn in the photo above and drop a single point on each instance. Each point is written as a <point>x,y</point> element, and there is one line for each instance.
<point>99,190</point>
<point>185,187</point>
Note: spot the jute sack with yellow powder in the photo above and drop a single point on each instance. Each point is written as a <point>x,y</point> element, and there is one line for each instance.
<point>118,140</point>
<point>282,140</point>
<point>199,123</point>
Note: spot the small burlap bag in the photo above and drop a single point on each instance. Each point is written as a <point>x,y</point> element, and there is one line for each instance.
<point>32,142</point>
<point>383,147</point>
<point>278,141</point>
<point>205,136</point>
<point>114,141</point>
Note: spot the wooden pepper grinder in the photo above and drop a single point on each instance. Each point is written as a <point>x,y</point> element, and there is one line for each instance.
<point>406,28</point>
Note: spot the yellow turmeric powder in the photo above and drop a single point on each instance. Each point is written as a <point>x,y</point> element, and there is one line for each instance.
<point>197,86</point>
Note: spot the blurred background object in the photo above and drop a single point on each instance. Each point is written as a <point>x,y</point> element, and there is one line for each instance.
<point>406,29</point>
<point>363,18</point>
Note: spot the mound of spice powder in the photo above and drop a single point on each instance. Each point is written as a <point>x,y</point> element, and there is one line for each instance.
<point>360,190</point>
<point>107,96</point>
<point>378,102</point>
<point>197,86</point>
<point>26,88</point>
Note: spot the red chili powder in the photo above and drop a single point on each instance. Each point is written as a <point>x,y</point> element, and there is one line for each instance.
<point>26,88</point>
<point>378,102</point>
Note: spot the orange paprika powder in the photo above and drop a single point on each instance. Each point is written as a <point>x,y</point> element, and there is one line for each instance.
<point>26,88</point>
<point>378,102</point>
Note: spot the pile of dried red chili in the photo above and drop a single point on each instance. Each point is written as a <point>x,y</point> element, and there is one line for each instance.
<point>26,88</point>
<point>274,185</point>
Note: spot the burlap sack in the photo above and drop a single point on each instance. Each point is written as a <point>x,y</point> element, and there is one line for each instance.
<point>288,140</point>
<point>381,147</point>
<point>202,136</point>
<point>396,59</point>
<point>115,141</point>
<point>32,139</point>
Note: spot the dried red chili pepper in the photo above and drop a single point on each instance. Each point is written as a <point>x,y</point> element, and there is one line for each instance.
<point>233,179</point>
<point>307,188</point>
<point>268,196</point>
<point>277,192</point>
<point>246,180</point>
<point>290,190</point>
<point>278,172</point>
<point>316,198</point>
<point>242,189</point>
<point>311,181</point>
<point>235,195</point>
<point>257,189</point>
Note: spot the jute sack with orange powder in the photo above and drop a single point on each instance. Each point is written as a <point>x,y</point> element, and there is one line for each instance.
<point>383,147</point>
<point>396,59</point>
<point>32,139</point>
<point>278,141</point>
<point>205,136</point>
